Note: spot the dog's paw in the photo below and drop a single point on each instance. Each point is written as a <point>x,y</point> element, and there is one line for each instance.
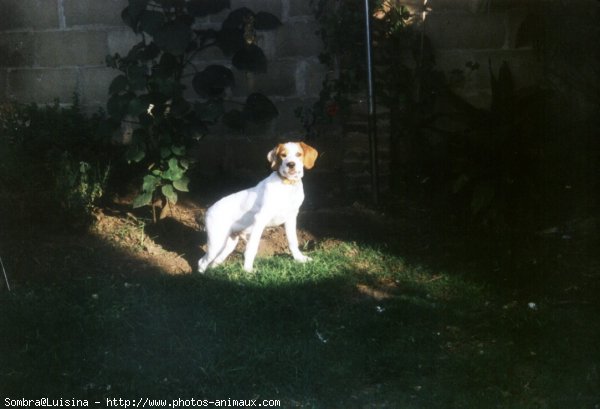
<point>248,268</point>
<point>302,259</point>
<point>202,267</point>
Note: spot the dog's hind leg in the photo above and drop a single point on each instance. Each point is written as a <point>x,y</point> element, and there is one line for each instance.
<point>215,246</point>
<point>227,250</point>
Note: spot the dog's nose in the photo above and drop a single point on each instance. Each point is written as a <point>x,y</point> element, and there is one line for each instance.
<point>291,165</point>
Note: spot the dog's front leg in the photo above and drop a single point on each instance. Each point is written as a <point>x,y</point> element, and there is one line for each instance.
<point>253,242</point>
<point>292,237</point>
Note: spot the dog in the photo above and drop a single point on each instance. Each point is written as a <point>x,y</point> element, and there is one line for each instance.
<point>274,201</point>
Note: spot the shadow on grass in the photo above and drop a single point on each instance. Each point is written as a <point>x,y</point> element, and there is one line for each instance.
<point>103,333</point>
<point>89,320</point>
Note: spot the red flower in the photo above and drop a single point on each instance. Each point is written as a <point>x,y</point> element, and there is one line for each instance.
<point>332,109</point>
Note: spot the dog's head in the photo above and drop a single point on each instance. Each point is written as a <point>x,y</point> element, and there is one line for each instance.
<point>290,159</point>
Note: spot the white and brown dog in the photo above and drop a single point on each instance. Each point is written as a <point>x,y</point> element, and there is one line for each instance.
<point>274,201</point>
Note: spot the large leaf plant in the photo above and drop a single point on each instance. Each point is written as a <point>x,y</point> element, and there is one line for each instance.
<point>149,93</point>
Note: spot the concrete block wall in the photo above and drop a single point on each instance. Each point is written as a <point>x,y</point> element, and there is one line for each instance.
<point>482,32</point>
<point>52,49</point>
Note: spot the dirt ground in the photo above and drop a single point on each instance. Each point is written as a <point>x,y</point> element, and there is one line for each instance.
<point>177,241</point>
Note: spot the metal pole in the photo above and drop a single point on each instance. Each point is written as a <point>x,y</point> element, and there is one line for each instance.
<point>372,121</point>
<point>5,276</point>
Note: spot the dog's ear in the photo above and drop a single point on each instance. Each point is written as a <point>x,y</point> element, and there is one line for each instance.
<point>310,155</point>
<point>273,157</point>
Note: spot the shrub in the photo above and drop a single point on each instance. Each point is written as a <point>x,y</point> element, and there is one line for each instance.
<point>61,154</point>
<point>149,92</point>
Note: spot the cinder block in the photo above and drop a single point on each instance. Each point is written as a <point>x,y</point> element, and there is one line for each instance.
<point>442,5</point>
<point>121,41</point>
<point>94,85</point>
<point>312,78</point>
<point>70,48</point>
<point>525,66</point>
<point>28,14</point>
<point>463,30</point>
<point>42,85</point>
<point>94,12</point>
<point>474,6</point>
<point>297,39</point>
<point>287,125</point>
<point>270,6</point>
<point>300,8</point>
<point>16,50</point>
<point>279,80</point>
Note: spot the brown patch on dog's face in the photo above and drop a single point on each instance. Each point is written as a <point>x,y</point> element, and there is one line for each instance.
<point>276,156</point>
<point>290,159</point>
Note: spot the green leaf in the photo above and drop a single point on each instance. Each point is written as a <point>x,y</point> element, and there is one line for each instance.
<point>212,81</point>
<point>149,52</point>
<point>150,183</point>
<point>234,119</point>
<point>117,105</point>
<point>169,193</point>
<point>182,184</point>
<point>185,164</point>
<point>165,152</point>
<point>195,129</point>
<point>237,18</point>
<point>180,106</point>
<point>128,19</point>
<point>259,108</point>
<point>250,58</point>
<point>118,84</point>
<point>139,136</point>
<point>175,172</point>
<point>135,154</point>
<point>131,14</point>
<point>136,106</point>
<point>168,87</point>
<point>143,199</point>
<point>136,7</point>
<point>178,150</point>
<point>174,164</point>
<point>209,111</point>
<point>151,21</point>
<point>173,37</point>
<point>266,21</point>
<point>167,66</point>
<point>230,40</point>
<point>137,76</point>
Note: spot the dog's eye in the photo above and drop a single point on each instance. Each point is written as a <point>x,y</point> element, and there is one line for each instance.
<point>298,154</point>
<point>283,155</point>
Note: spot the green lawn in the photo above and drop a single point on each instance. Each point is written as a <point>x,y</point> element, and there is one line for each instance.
<point>359,327</point>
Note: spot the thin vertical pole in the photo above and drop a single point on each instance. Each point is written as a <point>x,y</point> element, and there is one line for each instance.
<point>372,121</point>
<point>5,275</point>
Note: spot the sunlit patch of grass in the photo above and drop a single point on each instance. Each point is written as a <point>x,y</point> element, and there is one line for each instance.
<point>356,327</point>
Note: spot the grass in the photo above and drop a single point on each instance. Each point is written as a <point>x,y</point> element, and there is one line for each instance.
<point>358,327</point>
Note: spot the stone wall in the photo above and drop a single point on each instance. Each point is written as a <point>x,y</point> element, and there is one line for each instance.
<point>483,34</point>
<point>53,48</point>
